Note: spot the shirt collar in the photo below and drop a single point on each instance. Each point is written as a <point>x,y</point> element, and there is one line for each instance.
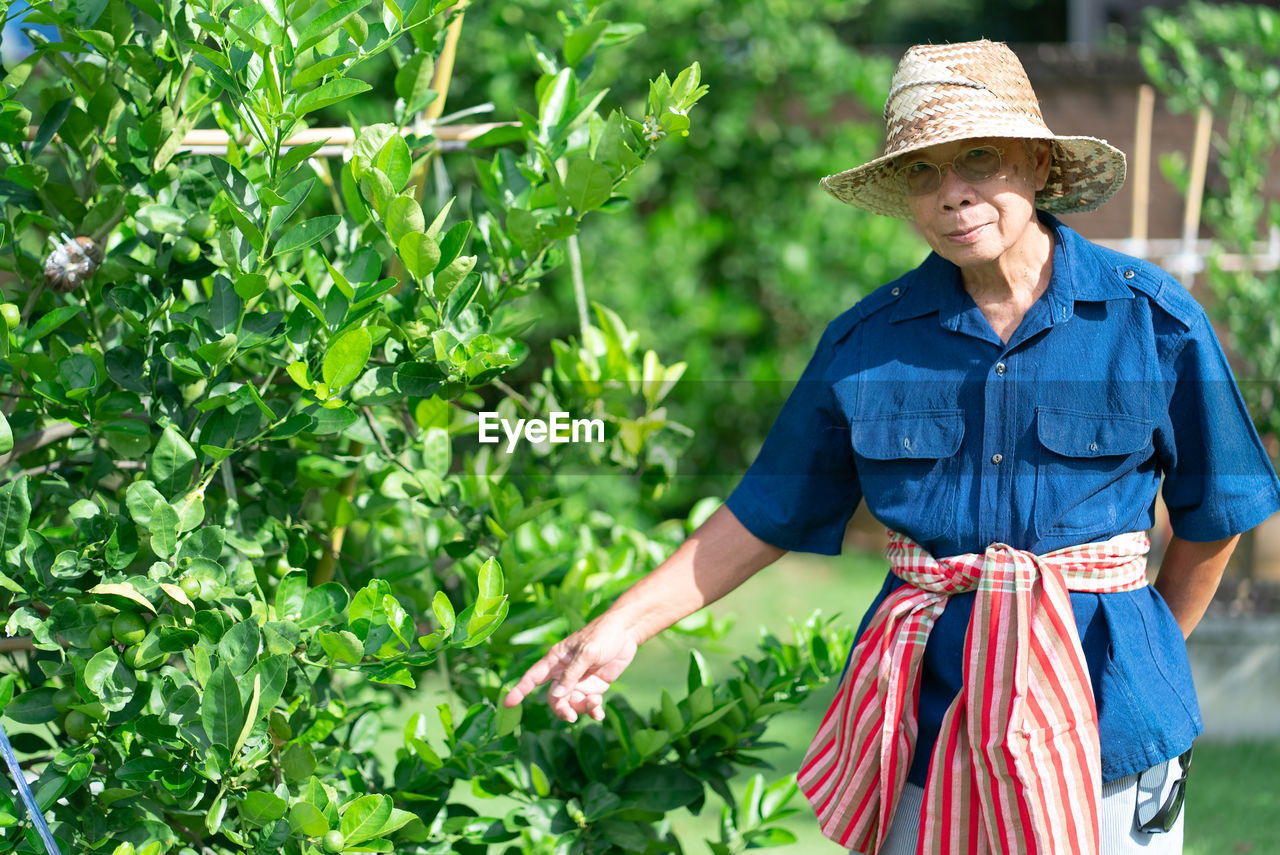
<point>1078,276</point>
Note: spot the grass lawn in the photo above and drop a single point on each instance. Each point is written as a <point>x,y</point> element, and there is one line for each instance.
<point>1234,790</point>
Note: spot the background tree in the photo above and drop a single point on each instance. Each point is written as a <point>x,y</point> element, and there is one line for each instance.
<point>243,511</point>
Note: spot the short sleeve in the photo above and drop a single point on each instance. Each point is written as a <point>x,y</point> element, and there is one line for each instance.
<point>802,488</point>
<point>1218,479</point>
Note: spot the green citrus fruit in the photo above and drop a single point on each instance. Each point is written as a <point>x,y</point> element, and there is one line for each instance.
<point>100,636</point>
<point>133,658</point>
<point>334,841</point>
<point>12,314</point>
<point>64,698</point>
<point>186,250</point>
<point>191,586</point>
<point>278,566</point>
<point>77,725</point>
<point>200,226</point>
<point>129,628</point>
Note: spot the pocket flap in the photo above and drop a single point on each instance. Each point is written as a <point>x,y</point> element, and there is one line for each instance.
<point>930,434</point>
<point>1091,434</point>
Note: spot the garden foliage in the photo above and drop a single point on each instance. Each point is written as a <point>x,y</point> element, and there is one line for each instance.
<point>244,516</point>
<point>1226,56</point>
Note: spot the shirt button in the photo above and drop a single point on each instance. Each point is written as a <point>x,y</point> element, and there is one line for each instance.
<point>999,367</point>
<point>996,458</point>
<point>1128,274</point>
<point>1093,446</point>
<point>896,291</point>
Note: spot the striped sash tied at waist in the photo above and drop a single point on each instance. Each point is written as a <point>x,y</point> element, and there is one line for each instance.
<point>1016,769</point>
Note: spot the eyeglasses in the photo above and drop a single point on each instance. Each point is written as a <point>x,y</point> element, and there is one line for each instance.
<point>1167,815</point>
<point>922,177</point>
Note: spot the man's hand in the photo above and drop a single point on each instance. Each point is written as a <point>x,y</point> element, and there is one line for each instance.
<point>718,557</point>
<point>581,667</point>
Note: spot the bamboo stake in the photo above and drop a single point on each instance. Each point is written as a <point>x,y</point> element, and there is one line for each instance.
<point>1195,196</point>
<point>1142,169</point>
<point>215,140</point>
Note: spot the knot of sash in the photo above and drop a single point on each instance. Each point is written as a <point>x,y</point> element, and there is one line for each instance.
<point>1016,769</point>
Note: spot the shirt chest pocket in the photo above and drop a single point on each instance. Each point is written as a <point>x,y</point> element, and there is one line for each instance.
<point>1087,479</point>
<point>908,466</point>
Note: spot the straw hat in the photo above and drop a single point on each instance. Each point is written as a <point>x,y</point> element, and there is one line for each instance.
<point>944,93</point>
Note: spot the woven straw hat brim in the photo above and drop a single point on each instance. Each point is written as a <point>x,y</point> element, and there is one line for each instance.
<point>1085,173</point>
<point>974,90</point>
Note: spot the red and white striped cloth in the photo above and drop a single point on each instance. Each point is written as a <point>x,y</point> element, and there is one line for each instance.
<point>1016,769</point>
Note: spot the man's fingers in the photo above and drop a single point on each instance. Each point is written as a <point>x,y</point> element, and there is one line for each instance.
<point>541,671</point>
<point>575,665</point>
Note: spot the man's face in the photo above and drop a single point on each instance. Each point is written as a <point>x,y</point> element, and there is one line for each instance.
<point>973,223</point>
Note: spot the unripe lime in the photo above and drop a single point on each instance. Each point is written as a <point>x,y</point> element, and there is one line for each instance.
<point>133,658</point>
<point>12,314</point>
<point>334,841</point>
<point>78,726</point>
<point>186,250</point>
<point>278,566</point>
<point>191,586</point>
<point>64,698</point>
<point>100,636</point>
<point>200,226</point>
<point>129,628</point>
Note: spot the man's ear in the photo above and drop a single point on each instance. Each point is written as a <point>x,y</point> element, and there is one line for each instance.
<point>1040,158</point>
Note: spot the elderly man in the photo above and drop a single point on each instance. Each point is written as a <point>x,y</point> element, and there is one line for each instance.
<point>1009,410</point>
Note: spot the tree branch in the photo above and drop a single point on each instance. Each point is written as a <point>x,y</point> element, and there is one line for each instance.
<point>55,432</point>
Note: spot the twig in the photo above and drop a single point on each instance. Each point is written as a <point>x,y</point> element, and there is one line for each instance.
<point>55,432</point>
<point>514,395</point>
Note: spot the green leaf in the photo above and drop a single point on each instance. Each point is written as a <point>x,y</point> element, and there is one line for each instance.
<point>365,818</point>
<point>250,285</point>
<point>290,595</point>
<point>323,605</point>
<point>293,200</point>
<point>34,706</point>
<point>306,818</point>
<point>326,22</point>
<point>142,498</point>
<point>341,646</point>
<point>172,464</point>
<point>260,807</point>
<point>553,101</point>
<point>164,526</point>
<point>15,513</point>
<point>306,233</point>
<point>329,93</point>
<point>448,279</point>
<point>698,675</point>
<point>582,41</point>
<point>588,185</point>
<point>161,218</point>
<point>49,322</point>
<point>346,357</point>
<point>394,161</point>
<point>507,719</point>
<point>221,709</point>
<point>444,612</point>
<point>489,580</point>
<point>404,215</point>
<point>419,252</point>
<point>238,648</point>
<point>413,83</point>
<point>108,679</point>
<point>240,189</point>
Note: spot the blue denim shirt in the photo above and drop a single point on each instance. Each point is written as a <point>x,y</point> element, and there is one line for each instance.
<point>1113,381</point>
